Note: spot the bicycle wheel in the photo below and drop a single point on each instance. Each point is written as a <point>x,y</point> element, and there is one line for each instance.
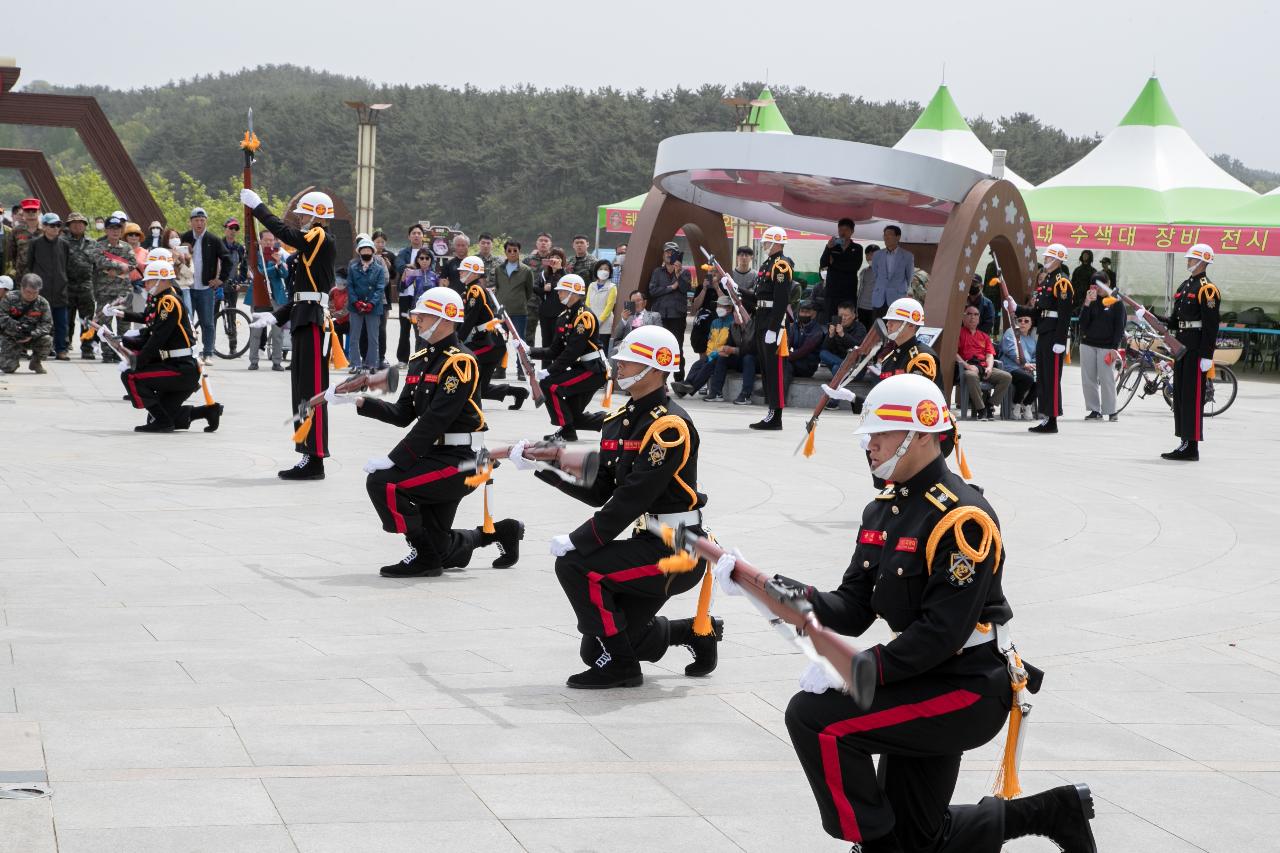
<point>1220,392</point>
<point>232,339</point>
<point>1128,384</point>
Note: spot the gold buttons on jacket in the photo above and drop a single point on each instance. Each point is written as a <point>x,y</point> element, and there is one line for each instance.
<point>866,564</point>
<point>899,571</point>
<point>895,510</point>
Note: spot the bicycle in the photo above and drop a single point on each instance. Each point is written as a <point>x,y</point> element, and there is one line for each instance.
<point>231,328</point>
<point>1149,368</point>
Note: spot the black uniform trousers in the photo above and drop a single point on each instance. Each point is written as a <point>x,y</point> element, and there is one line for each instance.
<point>568,392</point>
<point>80,302</point>
<point>1048,378</point>
<point>420,503</point>
<point>488,364</point>
<point>773,367</point>
<point>920,728</point>
<point>162,388</point>
<point>619,589</point>
<point>309,376</point>
<point>1188,396</point>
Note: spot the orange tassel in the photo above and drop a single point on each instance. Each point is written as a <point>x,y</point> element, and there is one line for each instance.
<point>702,619</point>
<point>607,402</point>
<point>204,386</point>
<point>506,355</point>
<point>1008,785</point>
<point>337,358</point>
<point>478,477</point>
<point>304,429</point>
<point>1211,371</point>
<point>487,527</point>
<point>88,334</point>
<point>677,563</point>
<point>1067,360</point>
<point>783,349</point>
<point>808,442</point>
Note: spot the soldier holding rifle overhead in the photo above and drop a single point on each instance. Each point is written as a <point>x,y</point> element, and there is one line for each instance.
<point>648,471</point>
<point>417,487</point>
<point>928,561</point>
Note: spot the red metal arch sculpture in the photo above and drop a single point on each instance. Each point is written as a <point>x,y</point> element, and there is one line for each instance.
<point>83,114</point>
<point>34,168</point>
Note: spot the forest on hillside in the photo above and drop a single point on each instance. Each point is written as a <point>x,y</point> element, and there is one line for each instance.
<point>512,161</point>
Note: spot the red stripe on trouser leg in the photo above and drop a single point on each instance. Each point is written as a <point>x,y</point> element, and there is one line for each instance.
<point>782,400</point>
<point>1197,417</point>
<point>555,398</point>
<point>828,742</point>
<point>317,425</point>
<point>597,594</point>
<point>1057,385</point>
<point>412,482</point>
<point>133,388</point>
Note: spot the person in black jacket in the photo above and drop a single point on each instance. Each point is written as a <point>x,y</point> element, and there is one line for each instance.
<point>575,364</point>
<point>306,313</point>
<point>1051,312</point>
<point>1101,334</point>
<point>772,298</point>
<point>549,308</point>
<point>1194,320</point>
<point>840,262</point>
<point>213,269</point>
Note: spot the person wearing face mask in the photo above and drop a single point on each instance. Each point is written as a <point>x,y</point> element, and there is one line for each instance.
<point>718,336</point>
<point>309,364</point>
<point>1051,312</point>
<point>931,562</point>
<point>1196,308</point>
<point>154,238</point>
<point>481,331</point>
<point>806,337</point>
<point>575,363</point>
<point>602,293</point>
<point>182,267</point>
<point>648,469</point>
<point>772,296</point>
<point>549,308</point>
<point>366,285</point>
<point>165,372</point>
<point>416,488</point>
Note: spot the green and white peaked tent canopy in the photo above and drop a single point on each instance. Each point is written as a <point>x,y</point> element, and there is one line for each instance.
<point>1147,171</point>
<point>767,118</point>
<point>942,133</point>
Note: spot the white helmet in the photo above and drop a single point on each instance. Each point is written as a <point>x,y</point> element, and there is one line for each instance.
<point>443,302</point>
<point>158,271</point>
<point>1201,252</point>
<point>1056,252</point>
<point>652,346</point>
<point>471,264</point>
<point>907,310</point>
<point>571,283</point>
<point>159,254</point>
<point>315,203</point>
<point>774,235</point>
<point>904,402</point>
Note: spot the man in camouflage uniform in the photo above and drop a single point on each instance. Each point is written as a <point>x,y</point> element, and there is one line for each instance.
<point>111,274</point>
<point>17,238</point>
<point>25,323</point>
<point>85,256</point>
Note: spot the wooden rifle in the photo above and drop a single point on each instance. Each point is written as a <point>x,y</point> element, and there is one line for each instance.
<point>1010,316</point>
<point>783,602</point>
<point>740,315</point>
<point>257,265</point>
<point>576,465</point>
<point>855,361</point>
<point>522,350</point>
<point>1142,315</point>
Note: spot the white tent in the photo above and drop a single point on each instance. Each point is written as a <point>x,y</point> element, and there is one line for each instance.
<point>942,133</point>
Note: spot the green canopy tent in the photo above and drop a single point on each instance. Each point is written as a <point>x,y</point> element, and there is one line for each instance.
<point>941,132</point>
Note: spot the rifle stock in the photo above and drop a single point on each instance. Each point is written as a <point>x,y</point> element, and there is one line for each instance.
<point>522,352</point>
<point>1142,315</point>
<point>260,292</point>
<point>112,340</point>
<point>855,361</point>
<point>383,382</point>
<point>1010,317</point>
<point>740,315</point>
<point>579,463</point>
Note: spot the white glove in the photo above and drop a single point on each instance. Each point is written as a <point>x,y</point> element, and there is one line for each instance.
<point>1011,305</point>
<point>542,374</point>
<point>111,311</point>
<point>378,463</point>
<point>124,365</point>
<point>723,572</point>
<point>517,458</point>
<point>332,397</point>
<point>816,679</point>
<point>1059,348</point>
<point>839,393</point>
<point>874,369</point>
<point>262,319</point>
<point>561,545</point>
<point>771,337</point>
<point>521,345</point>
<point>131,334</point>
<point>250,199</point>
<point>727,283</point>
<point>1140,315</point>
<point>1205,364</point>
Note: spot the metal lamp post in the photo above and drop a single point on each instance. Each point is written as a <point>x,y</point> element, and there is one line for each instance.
<point>366,146</point>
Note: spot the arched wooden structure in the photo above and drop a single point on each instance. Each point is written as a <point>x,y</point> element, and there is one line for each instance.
<point>35,171</point>
<point>83,114</point>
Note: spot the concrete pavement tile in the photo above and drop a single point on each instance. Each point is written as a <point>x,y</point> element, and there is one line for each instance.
<point>375,799</point>
<point>162,802</point>
<point>576,795</point>
<point>398,744</point>
<point>68,748</point>
<point>28,827</point>
<point>621,835</point>
<point>173,839</point>
<point>456,836</point>
<point>530,742</point>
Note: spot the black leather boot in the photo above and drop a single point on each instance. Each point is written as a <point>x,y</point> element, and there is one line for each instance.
<point>519,394</point>
<point>771,421</point>
<point>704,649</point>
<point>1188,451</point>
<point>506,535</point>
<point>1047,425</point>
<point>414,565</point>
<point>616,666</point>
<point>308,468</point>
<point>1060,814</point>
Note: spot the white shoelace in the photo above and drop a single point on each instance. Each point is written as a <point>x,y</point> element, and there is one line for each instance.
<point>304,462</point>
<point>411,556</point>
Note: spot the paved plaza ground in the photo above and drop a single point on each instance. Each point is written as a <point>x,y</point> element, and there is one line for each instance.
<point>197,656</point>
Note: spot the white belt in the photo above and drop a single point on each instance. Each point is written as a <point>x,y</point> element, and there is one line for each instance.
<point>175,353</point>
<point>692,518</point>
<point>1190,324</point>
<point>305,296</point>
<point>591,356</point>
<point>1048,313</point>
<point>999,633</point>
<point>764,303</point>
<point>457,438</point>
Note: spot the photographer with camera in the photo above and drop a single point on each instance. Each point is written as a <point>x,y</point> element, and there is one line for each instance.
<point>979,356</point>
<point>25,323</point>
<point>669,287</point>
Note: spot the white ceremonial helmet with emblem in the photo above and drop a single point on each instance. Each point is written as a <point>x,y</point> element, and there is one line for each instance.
<point>774,235</point>
<point>903,402</point>
<point>159,254</point>
<point>315,203</point>
<point>1055,252</point>
<point>654,347</point>
<point>471,264</point>
<point>1201,252</point>
<point>906,310</point>
<point>572,283</point>
<point>159,270</point>
<point>443,303</point>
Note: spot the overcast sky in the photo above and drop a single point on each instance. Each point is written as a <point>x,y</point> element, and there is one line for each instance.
<point>1077,65</point>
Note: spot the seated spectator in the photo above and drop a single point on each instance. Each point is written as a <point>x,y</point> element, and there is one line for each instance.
<point>978,356</point>
<point>986,308</point>
<point>26,321</point>
<point>717,337</point>
<point>737,354</point>
<point>636,313</point>
<point>804,339</point>
<point>841,337</point>
<point>1024,374</point>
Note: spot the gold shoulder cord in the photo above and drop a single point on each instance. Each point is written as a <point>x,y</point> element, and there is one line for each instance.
<point>954,521</point>
<point>465,366</point>
<point>655,433</point>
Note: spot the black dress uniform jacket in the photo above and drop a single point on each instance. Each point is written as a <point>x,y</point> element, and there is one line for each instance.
<point>316,254</point>
<point>912,356</point>
<point>648,464</point>
<point>575,336</point>
<point>167,328</point>
<point>484,341</point>
<point>777,294</point>
<point>1051,309</point>
<point>1194,322</point>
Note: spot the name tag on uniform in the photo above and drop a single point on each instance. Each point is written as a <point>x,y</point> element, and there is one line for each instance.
<point>908,544</point>
<point>871,537</point>
<point>613,444</point>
